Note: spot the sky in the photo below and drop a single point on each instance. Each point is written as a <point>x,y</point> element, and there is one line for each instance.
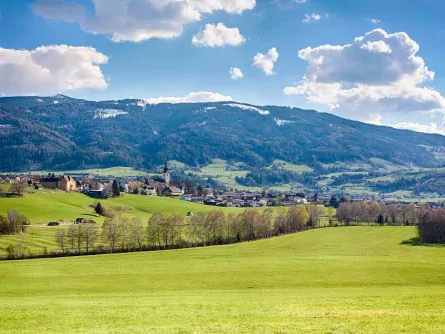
<point>376,61</point>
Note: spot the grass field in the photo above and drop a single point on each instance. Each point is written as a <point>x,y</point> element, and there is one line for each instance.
<point>291,167</point>
<point>336,280</point>
<point>45,206</point>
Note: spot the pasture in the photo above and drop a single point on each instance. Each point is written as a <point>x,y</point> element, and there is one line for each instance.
<point>334,280</point>
<point>46,205</point>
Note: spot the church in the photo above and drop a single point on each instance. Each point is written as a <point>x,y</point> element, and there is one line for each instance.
<point>163,185</point>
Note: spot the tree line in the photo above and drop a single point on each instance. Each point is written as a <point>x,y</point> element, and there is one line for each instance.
<point>431,227</point>
<point>365,213</point>
<point>172,231</point>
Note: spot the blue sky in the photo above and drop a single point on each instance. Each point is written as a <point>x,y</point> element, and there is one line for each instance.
<point>381,78</point>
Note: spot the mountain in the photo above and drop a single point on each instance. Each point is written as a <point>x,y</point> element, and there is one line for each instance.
<point>64,133</point>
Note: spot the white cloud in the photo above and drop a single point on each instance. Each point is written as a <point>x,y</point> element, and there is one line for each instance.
<point>378,73</point>
<point>310,18</point>
<point>299,1</point>
<point>266,62</point>
<point>377,47</point>
<point>236,73</point>
<point>374,21</point>
<point>60,10</point>
<point>428,128</point>
<point>137,20</point>
<point>50,69</point>
<point>194,97</point>
<point>217,36</point>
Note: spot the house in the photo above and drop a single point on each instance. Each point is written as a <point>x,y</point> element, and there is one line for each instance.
<point>150,191</point>
<point>196,199</point>
<point>187,198</point>
<point>67,183</point>
<point>50,182</point>
<point>172,191</point>
<point>100,194</point>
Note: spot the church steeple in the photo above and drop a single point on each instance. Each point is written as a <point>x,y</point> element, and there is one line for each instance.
<point>166,175</point>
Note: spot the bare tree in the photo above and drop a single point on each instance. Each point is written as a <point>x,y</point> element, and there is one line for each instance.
<point>17,222</point>
<point>111,232</point>
<point>153,229</point>
<point>124,232</point>
<point>79,231</point>
<point>71,237</point>
<point>196,227</point>
<point>90,236</point>
<point>60,239</point>
<point>17,188</point>
<point>136,233</point>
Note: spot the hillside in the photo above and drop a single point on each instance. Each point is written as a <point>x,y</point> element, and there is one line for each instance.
<point>45,206</point>
<point>60,133</point>
<point>338,280</point>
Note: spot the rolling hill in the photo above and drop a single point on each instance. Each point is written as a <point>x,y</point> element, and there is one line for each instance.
<point>336,280</point>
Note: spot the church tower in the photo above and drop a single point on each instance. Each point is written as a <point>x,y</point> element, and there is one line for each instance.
<point>166,175</point>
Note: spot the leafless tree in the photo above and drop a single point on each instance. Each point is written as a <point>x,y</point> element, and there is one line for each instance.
<point>136,233</point>
<point>79,231</point>
<point>90,236</point>
<point>17,188</point>
<point>124,232</point>
<point>71,237</point>
<point>60,239</point>
<point>111,232</point>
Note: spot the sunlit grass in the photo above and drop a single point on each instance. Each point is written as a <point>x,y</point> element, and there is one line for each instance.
<point>337,280</point>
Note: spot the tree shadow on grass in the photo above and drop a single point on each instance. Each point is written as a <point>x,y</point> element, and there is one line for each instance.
<point>415,241</point>
<point>89,214</point>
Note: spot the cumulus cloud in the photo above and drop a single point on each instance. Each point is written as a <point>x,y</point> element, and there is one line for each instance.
<point>50,69</point>
<point>376,47</point>
<point>137,20</point>
<point>377,73</point>
<point>236,73</point>
<point>194,97</point>
<point>217,36</point>
<point>266,62</point>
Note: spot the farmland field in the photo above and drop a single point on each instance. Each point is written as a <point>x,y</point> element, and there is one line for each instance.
<point>336,280</point>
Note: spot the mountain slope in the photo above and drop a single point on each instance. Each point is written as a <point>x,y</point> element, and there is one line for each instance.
<point>61,132</point>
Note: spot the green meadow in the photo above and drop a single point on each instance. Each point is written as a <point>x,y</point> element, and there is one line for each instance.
<point>333,280</point>
<point>44,206</point>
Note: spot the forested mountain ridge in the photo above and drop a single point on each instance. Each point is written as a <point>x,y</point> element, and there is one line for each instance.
<point>65,133</point>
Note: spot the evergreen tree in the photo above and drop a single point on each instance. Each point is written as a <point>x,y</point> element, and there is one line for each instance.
<point>116,189</point>
<point>315,198</point>
<point>334,202</point>
<point>380,220</point>
<point>99,209</point>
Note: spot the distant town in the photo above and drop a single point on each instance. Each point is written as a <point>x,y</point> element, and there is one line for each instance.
<point>103,187</point>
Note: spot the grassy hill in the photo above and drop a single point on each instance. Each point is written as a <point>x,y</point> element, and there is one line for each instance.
<point>337,280</point>
<point>47,205</point>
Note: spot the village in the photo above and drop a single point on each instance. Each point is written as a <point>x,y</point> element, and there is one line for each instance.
<point>163,185</point>
<point>100,187</point>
